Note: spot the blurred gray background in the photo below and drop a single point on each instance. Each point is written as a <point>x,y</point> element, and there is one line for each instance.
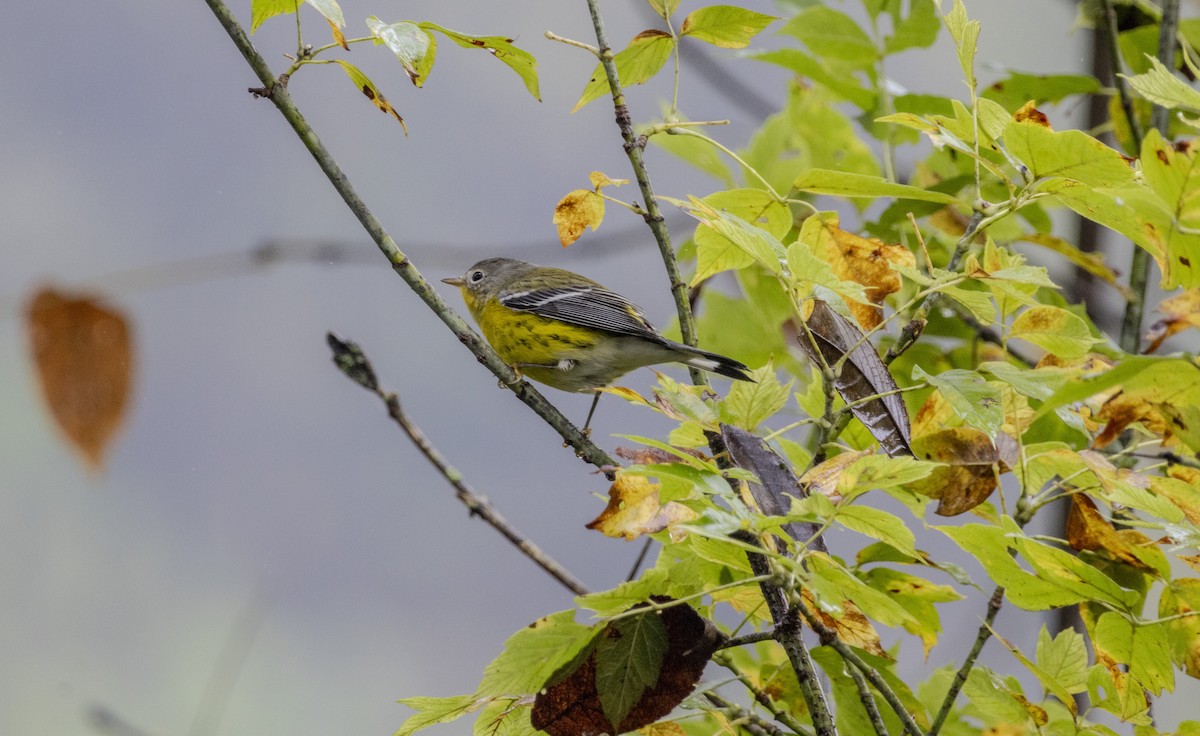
<point>259,517</point>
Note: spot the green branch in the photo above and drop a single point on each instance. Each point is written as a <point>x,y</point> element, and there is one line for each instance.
<point>277,93</point>
<point>653,216</point>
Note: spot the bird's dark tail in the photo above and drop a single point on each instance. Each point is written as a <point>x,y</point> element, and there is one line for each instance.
<point>714,363</point>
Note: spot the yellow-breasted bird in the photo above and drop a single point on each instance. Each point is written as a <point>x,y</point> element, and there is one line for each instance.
<point>567,331</point>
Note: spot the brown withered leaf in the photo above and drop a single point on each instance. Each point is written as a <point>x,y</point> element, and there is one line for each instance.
<point>632,503</point>
<point>973,464</point>
<point>852,626</point>
<point>574,213</point>
<point>863,375</point>
<point>653,455</point>
<point>83,353</point>
<point>1179,313</point>
<point>1087,529</point>
<point>824,478</point>
<point>1192,561</point>
<point>338,37</point>
<point>569,704</point>
<point>776,480</point>
<point>867,261</point>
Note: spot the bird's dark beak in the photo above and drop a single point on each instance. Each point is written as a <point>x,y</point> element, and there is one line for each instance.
<point>456,281</point>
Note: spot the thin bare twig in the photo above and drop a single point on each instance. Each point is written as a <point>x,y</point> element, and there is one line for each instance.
<point>350,359</point>
<point>995,603</point>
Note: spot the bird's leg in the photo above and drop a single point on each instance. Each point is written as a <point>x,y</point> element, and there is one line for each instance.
<point>587,430</point>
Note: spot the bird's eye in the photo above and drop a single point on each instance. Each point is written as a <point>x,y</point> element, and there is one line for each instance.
<point>475,277</point>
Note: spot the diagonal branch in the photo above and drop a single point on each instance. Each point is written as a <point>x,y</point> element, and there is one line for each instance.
<point>995,603</point>
<point>276,91</point>
<point>654,219</point>
<point>350,359</point>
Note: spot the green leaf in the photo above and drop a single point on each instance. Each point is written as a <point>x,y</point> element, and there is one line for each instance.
<point>965,33</point>
<point>834,35</point>
<point>1019,88</point>
<point>849,184</point>
<point>413,46</point>
<point>990,547</point>
<point>1056,330</point>
<point>918,597</point>
<point>1174,175</point>
<point>875,472</point>
<point>629,656</point>
<point>261,10</point>
<point>994,698</point>
<point>370,91</point>
<point>918,29</point>
<point>533,654</point>
<point>715,252</point>
<point>758,244</point>
<point>519,60</point>
<point>725,26</point>
<point>1070,154</point>
<point>1143,648</point>
<point>664,8</point>
<point>331,10</point>
<point>698,153</point>
<point>1161,86</point>
<point>637,63</point>
<point>1063,659</point>
<point>972,398</point>
<point>833,584</point>
<point>750,404</point>
<point>844,86</point>
<point>630,593</point>
<point>1168,379</point>
<point>431,711</point>
<point>1036,383</point>
<point>878,524</point>
<point>1071,573</point>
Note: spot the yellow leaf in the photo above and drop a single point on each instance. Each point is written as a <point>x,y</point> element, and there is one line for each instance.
<point>1087,529</point>
<point>576,212</point>
<point>824,478</point>
<point>851,625</point>
<point>83,353</point>
<point>600,180</point>
<point>632,504</point>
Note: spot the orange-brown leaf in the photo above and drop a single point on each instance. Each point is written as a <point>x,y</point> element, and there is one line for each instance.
<point>1029,112</point>
<point>1087,529</point>
<point>972,466</point>
<point>338,37</point>
<point>867,261</point>
<point>83,353</point>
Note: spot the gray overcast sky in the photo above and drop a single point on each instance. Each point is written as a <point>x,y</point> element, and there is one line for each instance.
<point>251,475</point>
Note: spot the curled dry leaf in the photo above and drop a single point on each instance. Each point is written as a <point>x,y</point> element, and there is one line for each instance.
<point>83,353</point>
<point>1179,313</point>
<point>1087,529</point>
<point>570,704</point>
<point>862,376</point>
<point>867,261</point>
<point>972,465</point>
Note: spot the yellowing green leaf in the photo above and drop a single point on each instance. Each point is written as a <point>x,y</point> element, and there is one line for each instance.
<point>330,10</point>
<point>725,26</point>
<point>368,88</point>
<point>413,46</point>
<point>972,398</point>
<point>532,654</point>
<point>878,524</point>
<point>753,241</point>
<point>431,711</point>
<point>637,63</point>
<point>262,10</point>
<point>918,597</point>
<point>519,60</point>
<point>834,35</point>
<point>1183,635</point>
<point>1055,330</point>
<point>749,404</point>
<point>1063,659</point>
<point>1162,87</point>
<point>850,184</point>
<point>1143,648</point>
<point>965,33</point>
<point>1174,175</point>
<point>1070,154</point>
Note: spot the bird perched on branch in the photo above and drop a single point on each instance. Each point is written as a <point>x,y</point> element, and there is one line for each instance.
<point>569,332</point>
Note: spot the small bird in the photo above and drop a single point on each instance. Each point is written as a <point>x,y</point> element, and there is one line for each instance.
<point>567,331</point>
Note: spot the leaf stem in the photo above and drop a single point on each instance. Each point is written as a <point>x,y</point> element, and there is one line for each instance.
<point>572,42</point>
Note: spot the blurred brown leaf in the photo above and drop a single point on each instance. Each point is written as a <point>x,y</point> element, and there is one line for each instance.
<point>1179,313</point>
<point>83,354</point>
<point>867,261</point>
<point>972,466</point>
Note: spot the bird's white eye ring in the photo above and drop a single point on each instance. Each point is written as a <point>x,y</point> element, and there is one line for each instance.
<point>475,277</point>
